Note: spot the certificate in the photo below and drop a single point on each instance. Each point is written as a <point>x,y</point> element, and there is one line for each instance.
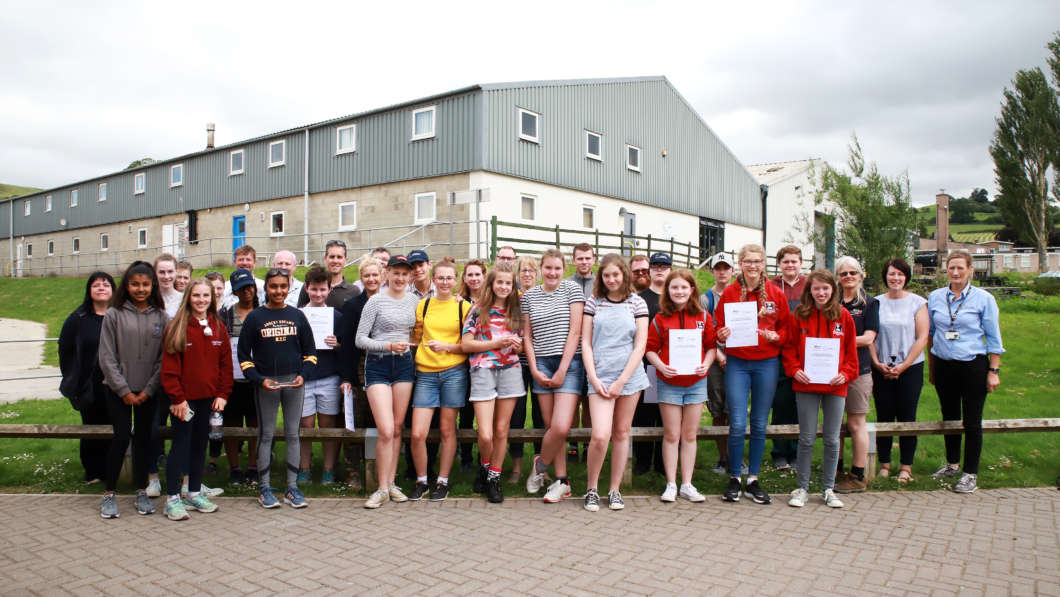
<point>347,405</point>
<point>686,350</point>
<point>821,359</point>
<point>322,320</point>
<point>742,320</point>
<point>237,371</point>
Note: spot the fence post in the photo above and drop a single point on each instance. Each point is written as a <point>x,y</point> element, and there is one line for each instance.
<point>493,237</point>
<point>688,255</point>
<point>649,244</point>
<point>557,238</point>
<point>596,242</point>
<point>671,245</point>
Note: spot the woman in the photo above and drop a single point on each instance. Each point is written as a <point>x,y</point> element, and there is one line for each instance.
<point>614,334</point>
<point>197,378</point>
<point>527,269</point>
<point>384,333</point>
<point>552,324</point>
<point>898,363</point>
<point>966,351</point>
<point>82,378</point>
<point>681,395</point>
<point>820,316</point>
<point>130,357</point>
<point>217,282</point>
<point>240,410</point>
<point>492,336</point>
<point>866,313</point>
<point>471,282</point>
<point>274,345</point>
<point>751,370</point>
<point>441,377</point>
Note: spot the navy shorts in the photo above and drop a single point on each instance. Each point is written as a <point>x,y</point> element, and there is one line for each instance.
<point>389,369</point>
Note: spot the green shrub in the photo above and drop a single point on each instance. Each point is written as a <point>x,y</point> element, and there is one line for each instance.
<point>1047,286</point>
<point>1030,304</point>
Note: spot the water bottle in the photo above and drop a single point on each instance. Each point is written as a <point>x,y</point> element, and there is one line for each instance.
<point>217,421</point>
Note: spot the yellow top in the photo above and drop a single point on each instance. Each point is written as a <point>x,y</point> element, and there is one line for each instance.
<point>443,322</point>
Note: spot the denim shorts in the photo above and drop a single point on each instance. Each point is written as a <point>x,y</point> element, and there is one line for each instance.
<point>447,388</point>
<point>389,369</point>
<point>322,396</point>
<point>683,395</point>
<point>573,382</point>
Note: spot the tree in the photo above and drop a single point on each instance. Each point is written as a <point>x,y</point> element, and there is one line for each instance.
<point>980,196</point>
<point>140,162</point>
<point>962,211</point>
<point>1025,146</point>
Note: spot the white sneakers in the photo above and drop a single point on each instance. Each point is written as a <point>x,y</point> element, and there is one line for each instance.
<point>831,499</point>
<point>378,498</point>
<point>154,487</point>
<point>799,497</point>
<point>669,495</point>
<point>690,493</point>
<point>535,480</point>
<point>556,492</point>
<point>396,495</point>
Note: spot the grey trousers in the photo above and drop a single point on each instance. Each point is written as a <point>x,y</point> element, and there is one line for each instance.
<point>808,405</point>
<point>267,403</point>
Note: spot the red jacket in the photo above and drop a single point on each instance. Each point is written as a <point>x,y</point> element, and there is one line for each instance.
<point>773,316</point>
<point>204,369</point>
<point>819,327</point>
<point>659,340</point>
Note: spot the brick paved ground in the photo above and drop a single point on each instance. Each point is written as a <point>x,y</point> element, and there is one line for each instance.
<point>922,543</point>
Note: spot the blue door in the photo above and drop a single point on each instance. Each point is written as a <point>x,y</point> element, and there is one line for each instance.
<point>239,232</point>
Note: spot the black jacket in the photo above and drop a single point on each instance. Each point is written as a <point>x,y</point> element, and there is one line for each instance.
<point>78,352</point>
<point>349,354</point>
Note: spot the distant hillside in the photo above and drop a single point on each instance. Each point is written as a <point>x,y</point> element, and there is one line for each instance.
<point>10,190</point>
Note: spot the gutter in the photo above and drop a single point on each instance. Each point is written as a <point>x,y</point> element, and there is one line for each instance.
<point>305,201</point>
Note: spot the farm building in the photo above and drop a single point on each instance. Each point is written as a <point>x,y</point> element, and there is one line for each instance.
<point>790,210</point>
<point>451,173</point>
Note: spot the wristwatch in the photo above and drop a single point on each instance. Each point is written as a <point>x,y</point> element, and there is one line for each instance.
<point>994,370</point>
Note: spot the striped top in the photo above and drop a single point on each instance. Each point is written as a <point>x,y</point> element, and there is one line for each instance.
<point>549,314</point>
<point>386,319</point>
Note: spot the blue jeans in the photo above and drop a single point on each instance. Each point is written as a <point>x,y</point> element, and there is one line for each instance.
<point>757,379</point>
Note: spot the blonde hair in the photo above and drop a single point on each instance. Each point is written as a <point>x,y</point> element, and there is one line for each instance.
<point>848,261</point>
<point>176,339</point>
<point>761,287</point>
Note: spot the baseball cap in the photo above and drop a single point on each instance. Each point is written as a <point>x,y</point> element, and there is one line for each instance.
<point>241,278</point>
<point>660,258</point>
<point>418,256</point>
<point>719,258</point>
<point>399,260</point>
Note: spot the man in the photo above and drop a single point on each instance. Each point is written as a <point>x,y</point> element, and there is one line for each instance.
<point>722,268</point>
<point>183,276</point>
<point>422,285</point>
<point>638,265</point>
<point>382,255</point>
<point>166,272</point>
<point>584,259</point>
<point>244,257</point>
<point>287,261</point>
<point>785,412</point>
<point>341,290</point>
<point>649,454</point>
<point>506,254</point>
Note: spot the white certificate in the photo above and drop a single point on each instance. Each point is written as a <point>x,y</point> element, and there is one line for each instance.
<point>347,405</point>
<point>237,371</point>
<point>822,359</point>
<point>742,320</point>
<point>322,320</point>
<point>685,350</point>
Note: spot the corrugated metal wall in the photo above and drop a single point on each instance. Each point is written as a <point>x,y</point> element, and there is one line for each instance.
<point>698,175</point>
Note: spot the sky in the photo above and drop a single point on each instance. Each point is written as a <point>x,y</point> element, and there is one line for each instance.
<point>86,88</point>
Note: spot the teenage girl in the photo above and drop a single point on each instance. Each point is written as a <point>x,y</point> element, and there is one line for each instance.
<point>527,268</point>
<point>614,335</point>
<point>470,290</point>
<point>240,410</point>
<point>492,336</point>
<point>681,396</point>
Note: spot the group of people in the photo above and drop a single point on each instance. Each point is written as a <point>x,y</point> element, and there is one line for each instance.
<point>469,348</point>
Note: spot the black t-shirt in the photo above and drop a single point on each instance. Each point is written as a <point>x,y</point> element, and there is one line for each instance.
<point>866,317</point>
<point>652,299</point>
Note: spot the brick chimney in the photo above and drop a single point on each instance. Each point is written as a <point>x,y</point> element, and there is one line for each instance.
<point>942,226</point>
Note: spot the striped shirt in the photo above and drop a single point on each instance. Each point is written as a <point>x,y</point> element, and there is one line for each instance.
<point>386,319</point>
<point>549,314</point>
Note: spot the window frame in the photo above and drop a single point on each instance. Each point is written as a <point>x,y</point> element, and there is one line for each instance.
<point>75,197</point>
<point>536,137</point>
<point>141,244</point>
<point>140,180</point>
<point>176,168</point>
<point>599,156</point>
<point>268,156</point>
<point>27,207</point>
<point>103,246</point>
<point>47,203</point>
<point>416,217</point>
<point>29,250</point>
<point>272,223</point>
<point>51,248</point>
<point>242,162</point>
<point>592,209</point>
<point>433,109</point>
<point>75,245</point>
<point>338,137</point>
<point>533,207</point>
<point>343,225</point>
<point>630,166</point>
<point>101,192</point>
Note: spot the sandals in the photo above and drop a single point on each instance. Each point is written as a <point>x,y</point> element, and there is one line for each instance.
<point>905,476</point>
<point>885,471</point>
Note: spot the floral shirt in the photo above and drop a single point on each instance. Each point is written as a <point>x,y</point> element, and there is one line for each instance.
<point>490,329</point>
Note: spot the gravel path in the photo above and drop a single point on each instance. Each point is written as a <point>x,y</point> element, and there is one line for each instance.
<point>23,359</point>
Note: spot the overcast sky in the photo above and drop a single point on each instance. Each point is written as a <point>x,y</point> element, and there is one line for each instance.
<point>85,90</point>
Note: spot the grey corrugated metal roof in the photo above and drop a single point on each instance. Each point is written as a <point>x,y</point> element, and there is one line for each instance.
<point>774,172</point>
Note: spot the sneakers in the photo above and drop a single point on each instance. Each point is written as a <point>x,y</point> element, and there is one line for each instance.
<point>480,480</point>
<point>557,492</point>
<point>721,467</point>
<point>732,492</point>
<point>267,499</point>
<point>154,487</point>
<point>235,477</point>
<point>690,493</point>
<point>327,477</point>
<point>203,489</point>
<point>758,495</point>
<point>669,495</point>
<point>441,491</point>
<point>294,498</point>
<point>592,501</point>
<point>378,498</point>
<point>798,498</point>
<point>494,494</point>
<point>396,495</point>
<point>175,509</point>
<point>614,500</point>
<point>143,504</point>
<point>848,483</point>
<point>967,484</point>
<point>831,499</point>
<point>108,508</point>
<point>418,491</point>
<point>950,470</point>
<point>535,480</point>
<point>304,477</point>
<point>200,503</point>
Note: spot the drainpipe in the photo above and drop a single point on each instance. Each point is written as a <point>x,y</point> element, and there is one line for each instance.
<point>764,189</point>
<point>305,201</point>
<point>11,233</point>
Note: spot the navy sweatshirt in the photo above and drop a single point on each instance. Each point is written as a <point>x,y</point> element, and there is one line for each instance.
<point>280,340</point>
<point>327,360</point>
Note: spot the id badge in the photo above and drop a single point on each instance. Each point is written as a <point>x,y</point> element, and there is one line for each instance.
<point>953,335</point>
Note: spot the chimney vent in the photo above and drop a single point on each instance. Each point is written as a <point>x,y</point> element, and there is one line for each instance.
<point>209,135</point>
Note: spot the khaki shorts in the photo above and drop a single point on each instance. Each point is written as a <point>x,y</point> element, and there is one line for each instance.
<point>858,394</point>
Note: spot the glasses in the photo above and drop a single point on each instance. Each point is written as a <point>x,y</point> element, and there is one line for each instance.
<point>276,271</point>
<point>659,266</point>
<point>640,271</point>
<point>848,274</point>
<point>752,262</point>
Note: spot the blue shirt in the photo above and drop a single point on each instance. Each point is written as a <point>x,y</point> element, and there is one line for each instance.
<point>973,314</point>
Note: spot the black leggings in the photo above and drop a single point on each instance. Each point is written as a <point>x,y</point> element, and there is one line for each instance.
<point>121,420</point>
<point>896,400</point>
<point>519,417</point>
<point>961,386</point>
<point>187,450</point>
<point>94,451</point>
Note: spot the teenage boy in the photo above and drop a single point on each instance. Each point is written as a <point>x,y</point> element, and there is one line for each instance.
<point>584,258</point>
<point>166,272</point>
<point>791,281</point>
<point>244,257</point>
<point>382,255</point>
<point>323,400</point>
<point>722,268</point>
<point>183,276</point>
<point>641,270</point>
<point>647,455</point>
<point>341,290</point>
<point>421,285</point>
<point>286,260</point>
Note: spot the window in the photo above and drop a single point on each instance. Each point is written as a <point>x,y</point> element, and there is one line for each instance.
<point>423,123</point>
<point>51,248</point>
<point>47,203</point>
<point>277,153</point>
<point>141,238</point>
<point>588,217</point>
<point>1025,260</point>
<point>73,198</point>
<point>528,122</point>
<point>235,162</point>
<point>348,215</point>
<point>101,194</point>
<point>29,250</point>
<point>276,224</point>
<point>176,175</point>
<point>104,241</point>
<point>633,158</point>
<point>139,183</point>
<point>593,143</point>
<point>529,207</point>
<point>424,207</point>
<point>346,139</point>
<point>76,245</point>
<point>1010,261</point>
<point>27,207</point>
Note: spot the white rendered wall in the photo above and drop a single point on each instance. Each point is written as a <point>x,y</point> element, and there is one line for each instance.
<point>738,236</point>
<point>789,207</point>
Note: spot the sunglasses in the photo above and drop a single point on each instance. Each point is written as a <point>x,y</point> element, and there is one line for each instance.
<point>847,274</point>
<point>640,271</point>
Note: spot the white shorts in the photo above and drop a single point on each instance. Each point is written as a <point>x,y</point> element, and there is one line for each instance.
<point>322,396</point>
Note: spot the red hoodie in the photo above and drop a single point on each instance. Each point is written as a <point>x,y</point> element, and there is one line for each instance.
<point>819,327</point>
<point>773,316</point>
<point>204,369</point>
<point>659,340</point>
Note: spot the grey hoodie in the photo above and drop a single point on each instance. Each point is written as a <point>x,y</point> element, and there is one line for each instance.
<point>130,349</point>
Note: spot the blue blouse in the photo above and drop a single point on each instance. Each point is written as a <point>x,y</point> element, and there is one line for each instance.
<point>973,314</point>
